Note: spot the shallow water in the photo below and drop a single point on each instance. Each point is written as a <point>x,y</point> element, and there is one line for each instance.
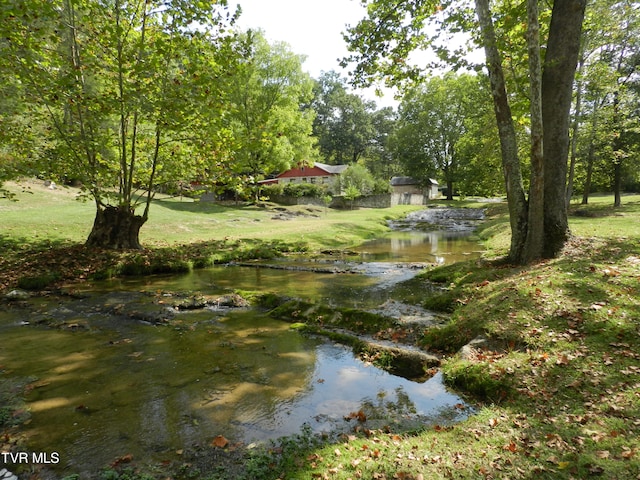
<point>150,391</point>
<point>123,387</point>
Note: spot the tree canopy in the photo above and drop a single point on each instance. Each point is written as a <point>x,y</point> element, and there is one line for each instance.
<point>128,94</point>
<point>344,121</point>
<point>383,42</point>
<point>438,133</point>
<point>271,129</point>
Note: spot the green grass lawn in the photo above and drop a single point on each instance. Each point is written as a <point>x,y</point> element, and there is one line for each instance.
<point>40,214</point>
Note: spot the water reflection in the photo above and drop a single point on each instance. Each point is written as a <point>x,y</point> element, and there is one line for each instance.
<point>150,391</point>
<point>430,247</point>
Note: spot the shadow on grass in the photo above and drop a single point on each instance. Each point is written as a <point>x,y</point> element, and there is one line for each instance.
<point>203,207</point>
<point>597,210</point>
<point>41,265</point>
<point>10,246</point>
<point>498,301</point>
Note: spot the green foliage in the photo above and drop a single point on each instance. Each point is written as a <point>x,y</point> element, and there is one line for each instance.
<point>38,282</point>
<point>5,415</point>
<point>273,460</point>
<point>344,121</point>
<point>352,192</point>
<point>124,474</point>
<point>270,130</point>
<point>478,381</point>
<point>446,130</point>
<point>444,301</point>
<point>119,127</point>
<point>355,181</point>
<point>607,138</point>
<point>304,190</point>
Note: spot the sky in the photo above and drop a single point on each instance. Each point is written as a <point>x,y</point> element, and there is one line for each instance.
<point>312,28</point>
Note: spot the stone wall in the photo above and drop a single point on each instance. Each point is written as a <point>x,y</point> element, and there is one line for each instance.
<point>370,201</point>
<point>383,200</point>
<point>408,199</point>
<point>289,200</point>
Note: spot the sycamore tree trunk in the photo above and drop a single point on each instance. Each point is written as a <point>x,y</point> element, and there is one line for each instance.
<point>539,225</point>
<point>116,228</point>
<point>535,220</point>
<point>561,60</point>
<point>508,143</point>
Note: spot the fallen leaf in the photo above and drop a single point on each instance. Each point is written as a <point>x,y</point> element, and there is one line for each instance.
<point>512,447</point>
<point>627,454</point>
<point>595,470</point>
<point>123,459</point>
<point>220,442</point>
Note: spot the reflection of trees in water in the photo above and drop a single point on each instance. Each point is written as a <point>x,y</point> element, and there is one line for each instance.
<point>422,240</point>
<point>401,409</point>
<point>383,407</point>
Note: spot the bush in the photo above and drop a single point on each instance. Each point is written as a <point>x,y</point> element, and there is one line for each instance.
<point>304,190</point>
<point>296,190</point>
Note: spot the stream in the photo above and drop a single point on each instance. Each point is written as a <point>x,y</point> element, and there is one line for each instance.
<point>103,386</point>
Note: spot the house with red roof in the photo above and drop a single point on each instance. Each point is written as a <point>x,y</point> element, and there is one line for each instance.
<point>319,173</point>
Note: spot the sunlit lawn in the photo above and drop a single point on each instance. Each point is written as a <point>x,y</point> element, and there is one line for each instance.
<point>39,214</point>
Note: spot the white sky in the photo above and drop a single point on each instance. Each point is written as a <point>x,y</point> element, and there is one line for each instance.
<point>311,27</point>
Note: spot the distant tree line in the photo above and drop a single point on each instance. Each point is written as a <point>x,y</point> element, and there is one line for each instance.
<point>130,98</point>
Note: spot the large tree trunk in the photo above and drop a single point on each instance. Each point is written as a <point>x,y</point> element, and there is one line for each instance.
<point>617,183</point>
<point>117,228</point>
<point>508,144</point>
<point>561,59</point>
<point>449,190</point>
<point>535,222</point>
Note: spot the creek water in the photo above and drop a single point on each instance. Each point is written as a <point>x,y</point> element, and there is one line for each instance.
<point>119,387</point>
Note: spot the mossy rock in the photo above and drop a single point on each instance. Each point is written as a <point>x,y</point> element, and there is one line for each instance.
<point>477,380</point>
<point>444,301</point>
<point>38,282</point>
<point>320,315</point>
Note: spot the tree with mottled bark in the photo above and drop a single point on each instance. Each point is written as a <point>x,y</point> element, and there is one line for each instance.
<point>393,30</point>
<point>129,94</point>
